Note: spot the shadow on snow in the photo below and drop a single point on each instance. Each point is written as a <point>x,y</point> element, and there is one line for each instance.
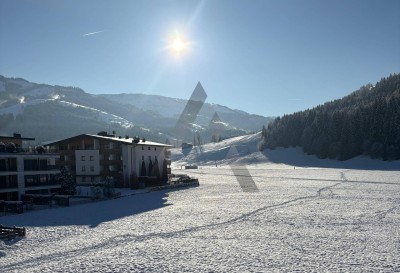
<point>296,157</point>
<point>91,214</point>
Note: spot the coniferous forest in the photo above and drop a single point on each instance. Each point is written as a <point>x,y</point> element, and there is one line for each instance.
<point>366,122</point>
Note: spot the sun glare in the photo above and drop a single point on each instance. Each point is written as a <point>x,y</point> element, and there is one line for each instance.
<point>178,45</point>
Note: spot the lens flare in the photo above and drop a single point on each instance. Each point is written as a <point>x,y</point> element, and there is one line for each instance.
<point>178,45</point>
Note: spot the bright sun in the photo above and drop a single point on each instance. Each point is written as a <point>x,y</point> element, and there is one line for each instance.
<point>178,45</point>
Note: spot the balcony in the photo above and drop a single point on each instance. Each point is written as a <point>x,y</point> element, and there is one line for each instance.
<point>40,184</point>
<point>9,185</point>
<point>8,169</point>
<point>42,168</point>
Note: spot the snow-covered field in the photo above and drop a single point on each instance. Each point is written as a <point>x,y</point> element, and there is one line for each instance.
<point>303,218</point>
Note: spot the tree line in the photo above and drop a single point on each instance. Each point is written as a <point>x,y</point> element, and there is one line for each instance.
<point>366,122</point>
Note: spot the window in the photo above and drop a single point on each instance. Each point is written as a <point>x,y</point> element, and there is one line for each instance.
<point>83,179</point>
<point>91,158</point>
<point>43,178</point>
<point>29,179</point>
<point>83,169</point>
<point>142,147</point>
<point>30,165</point>
<point>91,168</point>
<point>148,148</point>
<point>83,158</point>
<point>155,157</point>
<point>155,148</point>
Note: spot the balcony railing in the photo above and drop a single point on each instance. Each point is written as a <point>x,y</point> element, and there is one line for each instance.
<point>9,185</point>
<point>39,184</point>
<point>29,151</point>
<point>42,168</point>
<point>8,169</point>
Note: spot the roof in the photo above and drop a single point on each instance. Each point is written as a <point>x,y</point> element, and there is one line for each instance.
<point>19,138</point>
<point>123,140</point>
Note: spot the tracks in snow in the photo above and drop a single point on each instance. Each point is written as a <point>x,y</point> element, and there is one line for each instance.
<point>118,240</point>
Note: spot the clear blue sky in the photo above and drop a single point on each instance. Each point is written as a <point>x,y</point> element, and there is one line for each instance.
<point>266,57</point>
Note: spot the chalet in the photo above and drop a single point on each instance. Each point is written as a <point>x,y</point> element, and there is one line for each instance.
<point>25,170</point>
<point>93,159</point>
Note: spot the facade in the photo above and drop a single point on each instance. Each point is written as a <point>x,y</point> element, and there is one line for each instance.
<point>93,159</point>
<point>24,170</point>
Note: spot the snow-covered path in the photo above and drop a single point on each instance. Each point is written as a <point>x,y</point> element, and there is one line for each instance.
<point>301,219</point>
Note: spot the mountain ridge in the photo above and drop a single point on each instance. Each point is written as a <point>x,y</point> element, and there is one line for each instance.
<point>22,106</point>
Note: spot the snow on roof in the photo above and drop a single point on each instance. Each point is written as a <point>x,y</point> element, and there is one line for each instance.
<point>130,140</point>
<point>124,140</point>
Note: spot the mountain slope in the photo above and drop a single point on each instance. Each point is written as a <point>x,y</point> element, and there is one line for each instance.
<point>52,112</point>
<point>172,108</point>
<point>244,151</point>
<point>364,122</point>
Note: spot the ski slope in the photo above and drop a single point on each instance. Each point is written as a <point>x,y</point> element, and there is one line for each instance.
<point>310,218</point>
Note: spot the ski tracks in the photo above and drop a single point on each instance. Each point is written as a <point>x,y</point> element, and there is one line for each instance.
<point>114,241</point>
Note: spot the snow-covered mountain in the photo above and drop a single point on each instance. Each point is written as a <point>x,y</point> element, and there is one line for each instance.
<point>50,112</point>
<point>244,151</point>
<point>172,108</point>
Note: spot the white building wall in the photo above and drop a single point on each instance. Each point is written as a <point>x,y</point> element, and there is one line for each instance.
<point>143,152</point>
<point>87,162</point>
<point>133,155</point>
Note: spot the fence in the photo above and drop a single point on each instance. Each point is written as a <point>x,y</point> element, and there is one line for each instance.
<point>8,233</point>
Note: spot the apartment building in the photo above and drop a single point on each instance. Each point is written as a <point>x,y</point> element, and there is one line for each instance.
<point>24,169</point>
<point>93,159</point>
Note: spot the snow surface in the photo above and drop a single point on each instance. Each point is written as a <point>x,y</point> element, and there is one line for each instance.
<point>247,153</point>
<point>309,215</point>
<point>103,116</point>
<point>18,109</point>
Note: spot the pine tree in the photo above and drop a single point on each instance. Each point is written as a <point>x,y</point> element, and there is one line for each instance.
<point>365,122</point>
<point>67,181</point>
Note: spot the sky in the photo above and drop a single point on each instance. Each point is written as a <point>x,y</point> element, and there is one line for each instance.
<point>265,57</point>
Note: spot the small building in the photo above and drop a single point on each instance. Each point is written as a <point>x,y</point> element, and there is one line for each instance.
<point>93,159</point>
<point>25,170</point>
